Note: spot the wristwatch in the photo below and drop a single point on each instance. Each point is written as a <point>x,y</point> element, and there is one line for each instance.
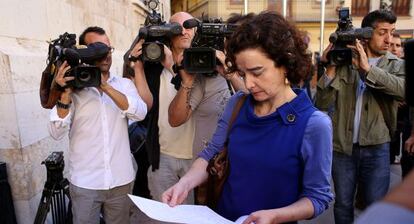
<point>62,105</point>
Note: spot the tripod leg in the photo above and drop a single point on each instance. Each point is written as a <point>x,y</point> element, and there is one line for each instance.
<point>62,207</point>
<point>44,204</point>
<point>63,211</point>
<point>55,207</point>
<point>69,215</point>
<point>58,207</point>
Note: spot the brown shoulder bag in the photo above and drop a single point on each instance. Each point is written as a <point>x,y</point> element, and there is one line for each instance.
<point>218,167</point>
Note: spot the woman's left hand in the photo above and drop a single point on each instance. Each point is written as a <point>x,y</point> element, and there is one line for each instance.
<point>262,217</point>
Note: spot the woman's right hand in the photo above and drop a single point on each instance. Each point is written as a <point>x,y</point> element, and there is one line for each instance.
<point>176,194</point>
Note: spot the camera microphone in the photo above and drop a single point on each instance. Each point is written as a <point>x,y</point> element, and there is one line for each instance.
<point>364,33</point>
<point>71,56</point>
<point>93,52</point>
<point>169,29</point>
<point>333,37</point>
<point>191,23</point>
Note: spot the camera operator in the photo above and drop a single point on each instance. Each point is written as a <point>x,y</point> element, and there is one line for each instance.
<point>169,148</point>
<point>202,97</point>
<point>100,163</point>
<point>398,205</point>
<point>176,140</point>
<point>362,102</point>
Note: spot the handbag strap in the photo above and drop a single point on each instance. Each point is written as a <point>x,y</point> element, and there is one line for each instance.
<point>234,114</point>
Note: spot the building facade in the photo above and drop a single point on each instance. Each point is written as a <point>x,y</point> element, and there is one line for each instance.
<point>305,13</point>
<point>24,31</point>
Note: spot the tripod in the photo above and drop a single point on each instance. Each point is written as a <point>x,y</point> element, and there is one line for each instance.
<point>54,193</point>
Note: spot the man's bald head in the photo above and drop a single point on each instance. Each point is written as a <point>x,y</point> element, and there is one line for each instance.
<point>180,17</point>
<point>183,41</point>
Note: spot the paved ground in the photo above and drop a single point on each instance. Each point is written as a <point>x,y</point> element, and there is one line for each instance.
<point>326,218</point>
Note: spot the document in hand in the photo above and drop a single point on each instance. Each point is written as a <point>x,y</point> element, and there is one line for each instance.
<point>189,214</point>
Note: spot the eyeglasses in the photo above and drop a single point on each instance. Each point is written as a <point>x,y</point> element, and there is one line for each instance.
<point>111,49</point>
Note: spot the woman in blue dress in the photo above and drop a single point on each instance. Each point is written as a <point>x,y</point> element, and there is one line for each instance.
<point>279,146</point>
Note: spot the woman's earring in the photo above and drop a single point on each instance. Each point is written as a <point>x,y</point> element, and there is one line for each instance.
<point>286,80</point>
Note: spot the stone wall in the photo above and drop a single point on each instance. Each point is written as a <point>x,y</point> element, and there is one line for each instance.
<point>25,28</point>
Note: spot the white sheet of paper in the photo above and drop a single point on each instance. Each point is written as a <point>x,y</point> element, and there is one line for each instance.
<point>189,214</point>
<point>241,219</point>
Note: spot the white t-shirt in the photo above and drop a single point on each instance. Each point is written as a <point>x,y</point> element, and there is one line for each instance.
<point>176,142</point>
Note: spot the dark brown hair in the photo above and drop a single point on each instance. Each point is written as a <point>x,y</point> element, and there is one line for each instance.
<point>236,18</point>
<point>396,35</point>
<point>378,16</point>
<point>91,29</point>
<point>280,40</point>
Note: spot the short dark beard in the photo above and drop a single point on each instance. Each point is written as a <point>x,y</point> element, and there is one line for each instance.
<point>376,53</point>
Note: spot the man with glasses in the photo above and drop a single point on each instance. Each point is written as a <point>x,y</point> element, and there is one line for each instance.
<point>362,100</point>
<point>100,163</point>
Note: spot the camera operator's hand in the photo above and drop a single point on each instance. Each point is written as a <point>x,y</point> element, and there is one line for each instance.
<point>65,100</point>
<point>139,75</point>
<point>104,84</point>
<point>117,97</point>
<point>168,61</point>
<point>233,77</point>
<point>324,57</point>
<point>409,144</point>
<point>60,78</point>
<point>187,78</point>
<point>330,69</point>
<point>221,69</point>
<point>361,60</point>
<point>136,53</point>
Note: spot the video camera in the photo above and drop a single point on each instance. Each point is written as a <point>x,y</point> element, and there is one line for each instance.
<point>210,36</point>
<point>345,35</point>
<point>80,59</point>
<point>156,33</point>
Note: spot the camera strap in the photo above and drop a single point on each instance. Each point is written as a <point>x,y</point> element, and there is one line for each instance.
<point>230,87</point>
<point>176,81</point>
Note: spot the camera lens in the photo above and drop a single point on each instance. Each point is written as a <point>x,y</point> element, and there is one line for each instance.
<point>84,76</point>
<point>200,60</point>
<point>153,4</point>
<point>153,51</point>
<point>341,56</point>
<point>339,60</point>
